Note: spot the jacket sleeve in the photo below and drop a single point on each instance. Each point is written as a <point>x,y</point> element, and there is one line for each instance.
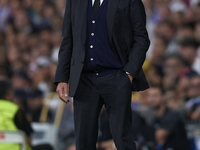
<point>141,41</point>
<point>65,51</point>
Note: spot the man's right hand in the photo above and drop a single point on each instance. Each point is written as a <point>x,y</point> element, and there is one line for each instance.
<point>63,90</point>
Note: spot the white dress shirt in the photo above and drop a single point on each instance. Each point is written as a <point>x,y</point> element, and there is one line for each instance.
<point>101,1</point>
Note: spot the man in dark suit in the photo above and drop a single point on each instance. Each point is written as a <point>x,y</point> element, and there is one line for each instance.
<point>104,44</point>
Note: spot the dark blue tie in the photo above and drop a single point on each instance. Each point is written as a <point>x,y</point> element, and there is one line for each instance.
<point>96,6</point>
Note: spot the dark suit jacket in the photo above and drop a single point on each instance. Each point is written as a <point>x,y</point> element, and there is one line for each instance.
<point>126,21</point>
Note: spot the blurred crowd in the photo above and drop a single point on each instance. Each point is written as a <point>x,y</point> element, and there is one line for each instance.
<point>173,60</point>
<point>30,36</point>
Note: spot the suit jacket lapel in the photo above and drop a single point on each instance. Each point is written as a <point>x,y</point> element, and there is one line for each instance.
<point>82,7</point>
<point>111,9</point>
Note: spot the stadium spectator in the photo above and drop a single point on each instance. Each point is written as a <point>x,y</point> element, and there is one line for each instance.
<point>21,80</point>
<point>169,129</point>
<point>15,119</point>
<point>42,75</point>
<point>166,29</point>
<point>175,65</point>
<point>193,105</point>
<point>186,30</point>
<point>20,98</point>
<point>188,50</point>
<point>35,104</point>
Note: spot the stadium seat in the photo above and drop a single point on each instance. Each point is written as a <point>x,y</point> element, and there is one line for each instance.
<point>13,137</point>
<point>44,133</point>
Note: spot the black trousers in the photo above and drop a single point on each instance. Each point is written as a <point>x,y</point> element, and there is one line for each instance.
<point>113,90</point>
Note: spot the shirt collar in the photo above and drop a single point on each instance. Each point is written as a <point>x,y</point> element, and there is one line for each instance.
<point>101,1</point>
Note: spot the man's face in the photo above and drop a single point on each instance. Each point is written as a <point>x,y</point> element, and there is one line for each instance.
<point>19,82</point>
<point>195,87</point>
<point>188,53</point>
<point>172,65</point>
<point>155,97</point>
<point>35,103</point>
<point>159,47</point>
<point>165,30</point>
<point>185,32</point>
